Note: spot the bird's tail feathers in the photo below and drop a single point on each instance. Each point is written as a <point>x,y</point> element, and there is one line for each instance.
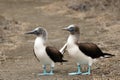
<point>107,55</point>
<point>64,60</point>
<point>63,49</point>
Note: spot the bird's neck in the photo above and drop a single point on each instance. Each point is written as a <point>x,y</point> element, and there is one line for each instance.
<point>39,42</point>
<point>73,38</point>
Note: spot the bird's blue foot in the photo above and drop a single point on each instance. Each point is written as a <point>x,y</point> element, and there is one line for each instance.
<point>51,73</point>
<point>46,74</point>
<point>88,72</point>
<point>74,73</point>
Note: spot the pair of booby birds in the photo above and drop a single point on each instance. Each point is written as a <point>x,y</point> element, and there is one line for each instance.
<point>82,53</point>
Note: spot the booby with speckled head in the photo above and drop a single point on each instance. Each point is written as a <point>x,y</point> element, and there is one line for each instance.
<point>47,55</point>
<point>82,53</point>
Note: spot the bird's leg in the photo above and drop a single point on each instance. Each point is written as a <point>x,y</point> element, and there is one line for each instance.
<point>76,73</point>
<point>51,71</point>
<point>44,71</point>
<point>88,72</point>
<point>79,71</point>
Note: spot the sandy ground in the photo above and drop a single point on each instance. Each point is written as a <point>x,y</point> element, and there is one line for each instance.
<point>99,23</point>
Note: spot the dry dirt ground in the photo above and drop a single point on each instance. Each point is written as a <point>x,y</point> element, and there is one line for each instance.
<point>99,22</point>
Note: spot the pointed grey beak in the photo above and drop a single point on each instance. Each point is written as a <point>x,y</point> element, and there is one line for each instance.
<point>65,28</point>
<point>30,32</point>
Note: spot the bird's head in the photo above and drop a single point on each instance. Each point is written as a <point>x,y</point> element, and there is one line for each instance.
<point>39,31</point>
<point>73,29</point>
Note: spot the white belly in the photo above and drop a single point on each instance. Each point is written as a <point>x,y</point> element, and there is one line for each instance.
<point>40,52</point>
<point>42,56</point>
<point>78,56</point>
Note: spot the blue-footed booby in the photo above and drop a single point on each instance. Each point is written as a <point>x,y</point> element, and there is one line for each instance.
<point>47,55</point>
<point>82,53</point>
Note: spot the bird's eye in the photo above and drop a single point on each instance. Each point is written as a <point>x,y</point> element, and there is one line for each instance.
<point>71,29</point>
<point>35,31</point>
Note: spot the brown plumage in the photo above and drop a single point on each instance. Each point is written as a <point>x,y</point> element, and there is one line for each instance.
<point>92,50</point>
<point>54,54</point>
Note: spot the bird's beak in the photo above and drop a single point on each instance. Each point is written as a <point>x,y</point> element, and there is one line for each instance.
<point>65,28</point>
<point>30,32</point>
